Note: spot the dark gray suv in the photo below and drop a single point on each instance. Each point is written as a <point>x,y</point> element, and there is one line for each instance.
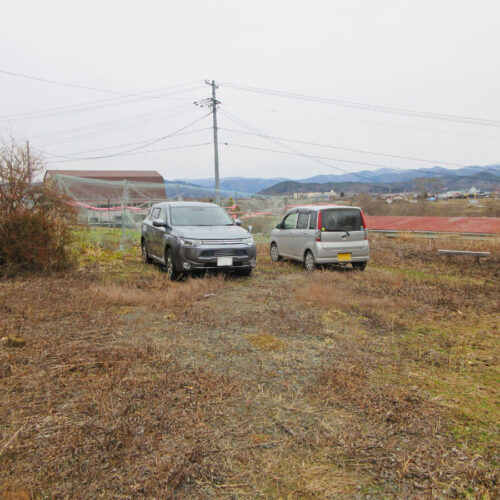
<point>190,236</point>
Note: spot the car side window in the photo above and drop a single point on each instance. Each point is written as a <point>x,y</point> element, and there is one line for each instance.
<point>313,220</point>
<point>303,220</point>
<point>155,214</point>
<point>290,221</point>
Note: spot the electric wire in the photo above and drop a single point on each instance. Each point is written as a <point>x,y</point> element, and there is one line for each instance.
<point>107,148</point>
<point>113,129</point>
<point>150,143</point>
<point>353,150</point>
<point>289,148</point>
<point>368,107</point>
<point>110,122</point>
<point>66,84</point>
<point>94,105</point>
<point>369,122</point>
<point>320,160</point>
<point>188,146</point>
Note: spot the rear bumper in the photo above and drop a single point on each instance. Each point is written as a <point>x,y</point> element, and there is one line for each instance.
<point>206,257</point>
<point>330,256</point>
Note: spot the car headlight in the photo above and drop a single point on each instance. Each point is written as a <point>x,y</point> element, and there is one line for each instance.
<point>189,242</point>
<point>248,241</point>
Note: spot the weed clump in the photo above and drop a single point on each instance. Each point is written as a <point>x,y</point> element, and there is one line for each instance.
<point>265,341</point>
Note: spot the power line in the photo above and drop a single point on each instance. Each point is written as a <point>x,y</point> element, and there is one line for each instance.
<point>189,146</point>
<point>308,155</point>
<point>289,148</point>
<point>319,159</point>
<point>155,141</point>
<point>369,107</point>
<point>72,85</point>
<point>352,149</point>
<point>113,129</point>
<point>124,145</point>
<point>369,122</point>
<point>244,146</point>
<point>95,105</point>
<point>109,122</point>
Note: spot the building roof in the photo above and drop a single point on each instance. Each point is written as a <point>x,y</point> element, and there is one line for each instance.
<point>110,175</point>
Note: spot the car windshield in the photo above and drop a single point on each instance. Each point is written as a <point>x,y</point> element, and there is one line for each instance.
<point>199,216</point>
<point>341,220</point>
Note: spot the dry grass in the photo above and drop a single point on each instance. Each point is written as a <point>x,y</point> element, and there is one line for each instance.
<point>88,410</point>
<point>335,384</point>
<point>416,365</point>
<point>166,297</point>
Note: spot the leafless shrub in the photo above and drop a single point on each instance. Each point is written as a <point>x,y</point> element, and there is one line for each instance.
<point>34,216</point>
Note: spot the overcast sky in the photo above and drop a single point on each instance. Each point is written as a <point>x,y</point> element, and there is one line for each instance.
<point>432,56</point>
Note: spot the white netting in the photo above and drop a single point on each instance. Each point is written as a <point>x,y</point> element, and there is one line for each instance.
<point>113,209</point>
<point>111,212</point>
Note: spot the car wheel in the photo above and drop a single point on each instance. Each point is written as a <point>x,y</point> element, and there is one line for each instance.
<point>274,252</point>
<point>309,261</point>
<point>146,259</point>
<point>359,266</point>
<point>172,271</point>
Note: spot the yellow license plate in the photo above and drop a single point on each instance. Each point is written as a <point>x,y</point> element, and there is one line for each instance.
<point>344,257</point>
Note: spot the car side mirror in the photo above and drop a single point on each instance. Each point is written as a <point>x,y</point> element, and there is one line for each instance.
<point>237,222</point>
<point>279,226</point>
<point>160,223</point>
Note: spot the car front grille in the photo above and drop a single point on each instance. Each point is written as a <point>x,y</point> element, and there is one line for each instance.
<point>222,242</point>
<point>223,252</point>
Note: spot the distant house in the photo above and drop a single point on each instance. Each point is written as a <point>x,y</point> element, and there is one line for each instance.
<point>316,194</point>
<point>389,198</point>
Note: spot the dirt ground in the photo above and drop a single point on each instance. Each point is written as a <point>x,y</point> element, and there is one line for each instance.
<point>287,384</point>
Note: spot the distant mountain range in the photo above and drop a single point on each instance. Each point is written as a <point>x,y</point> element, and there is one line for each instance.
<point>381,180</point>
<point>241,184</point>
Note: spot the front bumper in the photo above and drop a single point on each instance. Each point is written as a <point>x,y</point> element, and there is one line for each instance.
<point>206,256</point>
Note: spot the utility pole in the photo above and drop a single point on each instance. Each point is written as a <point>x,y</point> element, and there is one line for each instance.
<point>216,143</point>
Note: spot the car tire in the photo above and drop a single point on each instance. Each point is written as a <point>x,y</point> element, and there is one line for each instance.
<point>146,259</point>
<point>359,266</point>
<point>274,253</point>
<point>309,263</point>
<point>173,273</point>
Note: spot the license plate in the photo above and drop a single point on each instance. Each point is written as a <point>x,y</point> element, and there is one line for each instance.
<point>344,257</point>
<point>224,261</point>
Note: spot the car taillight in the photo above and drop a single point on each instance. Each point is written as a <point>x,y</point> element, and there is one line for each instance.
<point>318,234</point>
<point>363,221</point>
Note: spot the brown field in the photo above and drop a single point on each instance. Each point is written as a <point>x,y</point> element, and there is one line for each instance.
<point>334,384</point>
<point>469,207</point>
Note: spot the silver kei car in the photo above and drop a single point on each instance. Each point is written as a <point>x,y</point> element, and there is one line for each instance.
<point>324,234</point>
<point>190,236</point>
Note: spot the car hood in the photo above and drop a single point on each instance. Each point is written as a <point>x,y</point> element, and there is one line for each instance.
<point>212,232</point>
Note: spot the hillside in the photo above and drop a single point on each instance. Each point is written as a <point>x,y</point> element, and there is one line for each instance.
<point>386,176</point>
<point>483,180</point>
<point>239,184</point>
